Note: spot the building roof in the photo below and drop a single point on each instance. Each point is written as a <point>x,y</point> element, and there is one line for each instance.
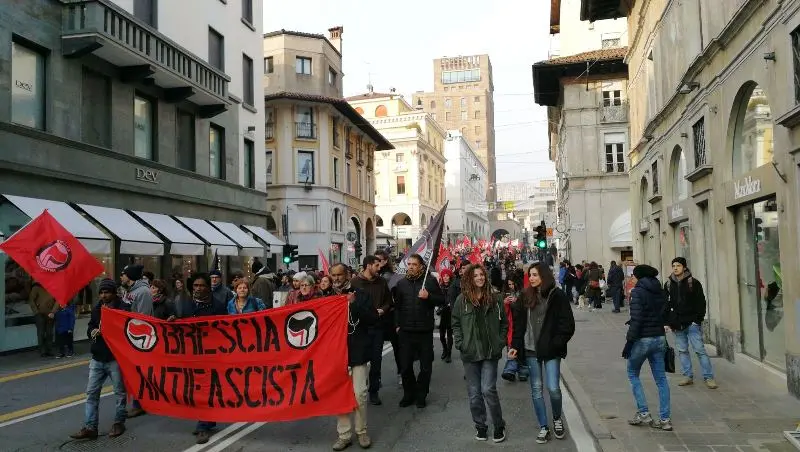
<point>344,108</point>
<point>547,74</point>
<point>370,95</point>
<point>301,35</point>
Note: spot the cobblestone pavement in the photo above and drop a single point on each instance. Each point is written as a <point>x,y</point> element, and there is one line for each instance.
<point>749,411</point>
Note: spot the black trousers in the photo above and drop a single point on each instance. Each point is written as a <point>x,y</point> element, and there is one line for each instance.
<point>390,334</point>
<point>64,343</point>
<point>446,329</point>
<point>45,330</point>
<point>416,345</point>
<point>376,338</point>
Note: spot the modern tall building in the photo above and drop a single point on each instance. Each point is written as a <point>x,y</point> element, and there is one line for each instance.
<point>585,92</point>
<point>463,100</point>
<point>409,180</point>
<point>135,124</point>
<point>465,185</point>
<point>320,152</point>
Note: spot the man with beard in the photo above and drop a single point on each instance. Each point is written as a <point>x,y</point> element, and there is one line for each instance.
<point>219,291</point>
<point>137,295</point>
<point>202,304</point>
<point>362,316</point>
<point>416,298</point>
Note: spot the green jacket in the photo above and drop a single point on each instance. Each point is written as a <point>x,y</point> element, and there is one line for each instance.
<point>479,333</point>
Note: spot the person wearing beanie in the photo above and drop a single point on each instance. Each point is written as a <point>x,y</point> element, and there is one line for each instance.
<point>103,365</point>
<point>685,311</point>
<point>262,285</point>
<point>220,293</point>
<point>138,295</point>
<point>646,341</point>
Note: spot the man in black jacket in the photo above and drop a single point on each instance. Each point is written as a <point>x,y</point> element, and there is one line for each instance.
<point>103,365</point>
<point>685,311</point>
<point>616,281</point>
<point>363,315</point>
<point>416,298</point>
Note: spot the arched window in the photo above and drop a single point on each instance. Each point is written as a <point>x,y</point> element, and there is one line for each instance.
<point>752,139</point>
<point>271,225</point>
<point>360,111</point>
<point>381,111</point>
<point>433,104</point>
<point>680,186</point>
<point>378,221</point>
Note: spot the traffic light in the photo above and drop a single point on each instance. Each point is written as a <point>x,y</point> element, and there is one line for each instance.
<point>357,247</point>
<point>541,236</point>
<point>290,254</point>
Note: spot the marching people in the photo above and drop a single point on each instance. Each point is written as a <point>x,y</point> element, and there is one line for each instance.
<point>445,317</point>
<point>219,291</point>
<point>416,298</point>
<point>362,316</point>
<point>326,286</point>
<point>243,302</point>
<point>646,341</point>
<point>685,311</point>
<point>517,367</point>
<point>594,293</point>
<point>103,365</point>
<point>262,285</point>
<point>543,325</point>
<point>390,328</point>
<point>369,281</point>
<point>616,283</point>
<point>137,290</point>
<point>480,328</point>
<point>306,289</point>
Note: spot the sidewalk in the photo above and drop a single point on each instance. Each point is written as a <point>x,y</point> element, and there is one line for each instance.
<point>29,360</point>
<point>749,411</point>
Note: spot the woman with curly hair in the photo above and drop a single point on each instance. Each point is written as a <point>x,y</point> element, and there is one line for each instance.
<point>479,331</point>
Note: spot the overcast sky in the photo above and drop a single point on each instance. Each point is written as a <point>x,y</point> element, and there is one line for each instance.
<point>393,44</point>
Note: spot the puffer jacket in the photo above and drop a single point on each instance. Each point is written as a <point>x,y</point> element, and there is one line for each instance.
<point>646,308</point>
<point>411,313</point>
<point>479,333</point>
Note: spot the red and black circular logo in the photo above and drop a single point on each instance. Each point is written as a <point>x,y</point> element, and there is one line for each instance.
<point>54,256</point>
<point>141,335</point>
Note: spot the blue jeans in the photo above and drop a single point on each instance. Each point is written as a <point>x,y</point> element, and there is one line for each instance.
<point>205,426</point>
<point>692,335</point>
<point>482,392</point>
<point>552,377</point>
<point>98,372</point>
<point>516,367</point>
<point>616,295</point>
<point>650,349</point>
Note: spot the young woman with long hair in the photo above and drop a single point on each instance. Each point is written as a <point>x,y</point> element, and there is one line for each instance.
<point>543,324</point>
<point>479,331</point>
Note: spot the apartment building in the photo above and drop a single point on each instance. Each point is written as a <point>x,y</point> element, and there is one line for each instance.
<point>409,180</point>
<point>466,180</point>
<point>320,152</point>
<point>136,131</point>
<point>714,168</point>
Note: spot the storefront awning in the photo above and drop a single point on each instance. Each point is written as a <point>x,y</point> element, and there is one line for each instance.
<point>249,246</point>
<point>264,235</point>
<point>181,241</point>
<point>89,235</point>
<point>620,232</point>
<point>134,238</point>
<point>219,244</point>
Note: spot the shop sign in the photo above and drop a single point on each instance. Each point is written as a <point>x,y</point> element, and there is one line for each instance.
<point>746,187</point>
<point>147,175</point>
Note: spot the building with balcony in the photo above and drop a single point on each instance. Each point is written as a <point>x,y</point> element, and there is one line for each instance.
<point>409,180</point>
<point>466,179</point>
<point>133,129</point>
<point>585,92</point>
<point>714,163</point>
<point>319,151</point>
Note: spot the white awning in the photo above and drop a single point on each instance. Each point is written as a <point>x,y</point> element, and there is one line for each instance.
<point>621,231</point>
<point>264,235</point>
<point>95,241</point>
<point>249,246</point>
<point>181,241</point>
<point>134,238</point>
<point>219,244</point>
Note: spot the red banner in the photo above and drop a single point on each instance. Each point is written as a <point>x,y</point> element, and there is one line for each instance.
<point>276,365</point>
<point>53,257</point>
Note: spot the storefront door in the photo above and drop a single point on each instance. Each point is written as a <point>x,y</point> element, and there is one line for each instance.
<point>760,282</point>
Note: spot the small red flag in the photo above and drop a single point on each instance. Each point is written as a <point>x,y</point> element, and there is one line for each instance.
<point>53,257</point>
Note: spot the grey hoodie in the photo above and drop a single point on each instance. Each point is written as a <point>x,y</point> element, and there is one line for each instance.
<point>139,298</point>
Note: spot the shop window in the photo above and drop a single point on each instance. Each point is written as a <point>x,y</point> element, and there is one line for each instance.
<point>680,186</point>
<point>752,140</point>
<point>28,88</point>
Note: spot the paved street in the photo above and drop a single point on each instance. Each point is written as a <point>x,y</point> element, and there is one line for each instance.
<point>748,412</point>
<point>38,411</point>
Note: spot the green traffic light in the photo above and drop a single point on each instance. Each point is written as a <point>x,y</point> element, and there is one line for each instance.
<point>541,244</point>
<point>286,259</point>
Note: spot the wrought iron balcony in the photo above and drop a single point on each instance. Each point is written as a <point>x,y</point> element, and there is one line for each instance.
<point>141,53</point>
<point>306,130</point>
<point>614,113</point>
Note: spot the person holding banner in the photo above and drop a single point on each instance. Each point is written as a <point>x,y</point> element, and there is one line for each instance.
<point>243,302</point>
<point>103,365</point>
<point>416,298</point>
<point>480,328</point>
<point>362,317</point>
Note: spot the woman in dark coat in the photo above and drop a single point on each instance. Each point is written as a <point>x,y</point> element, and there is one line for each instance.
<point>543,325</point>
<point>593,291</point>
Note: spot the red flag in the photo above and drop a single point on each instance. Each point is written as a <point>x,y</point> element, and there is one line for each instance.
<point>53,257</point>
<point>326,267</point>
<point>475,256</point>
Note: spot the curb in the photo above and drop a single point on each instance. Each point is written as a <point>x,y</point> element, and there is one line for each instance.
<point>603,438</point>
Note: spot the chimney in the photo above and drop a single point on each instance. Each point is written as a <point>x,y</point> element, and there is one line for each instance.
<point>336,37</point>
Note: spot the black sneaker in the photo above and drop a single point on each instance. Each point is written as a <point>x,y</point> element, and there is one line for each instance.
<point>499,434</point>
<point>482,434</point>
<point>544,435</point>
<point>374,399</point>
<point>508,376</point>
<point>558,428</point>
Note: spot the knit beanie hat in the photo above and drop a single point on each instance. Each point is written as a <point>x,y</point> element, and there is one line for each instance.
<point>680,260</point>
<point>133,272</point>
<point>644,271</point>
<point>107,285</point>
